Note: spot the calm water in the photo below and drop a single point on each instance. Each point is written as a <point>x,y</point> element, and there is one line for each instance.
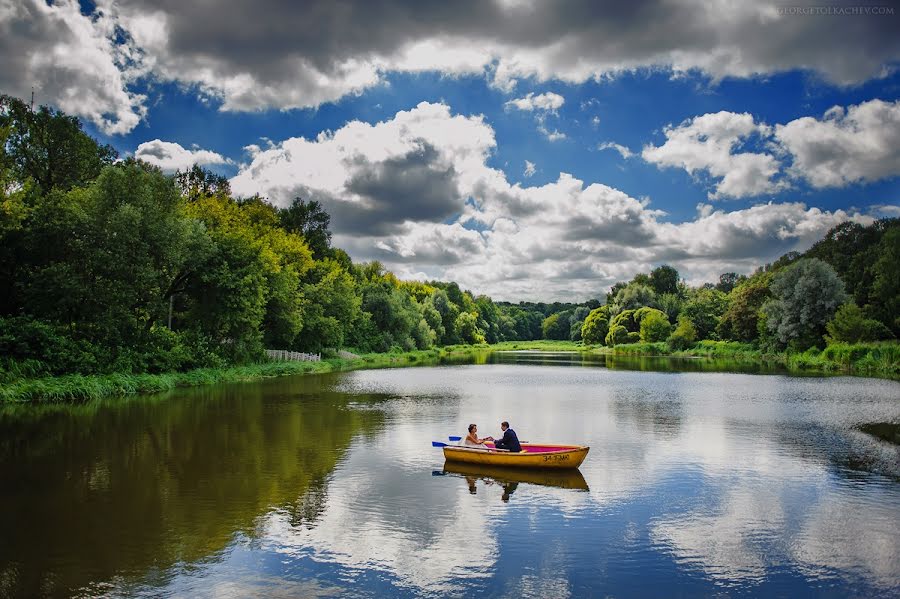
<point>697,483</point>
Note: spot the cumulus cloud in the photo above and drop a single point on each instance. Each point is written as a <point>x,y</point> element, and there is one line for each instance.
<point>547,102</point>
<point>857,144</point>
<point>171,157</point>
<point>861,143</point>
<point>416,192</point>
<point>709,142</point>
<point>263,54</point>
<point>79,64</point>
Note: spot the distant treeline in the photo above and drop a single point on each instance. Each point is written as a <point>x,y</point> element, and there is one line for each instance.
<point>109,265</point>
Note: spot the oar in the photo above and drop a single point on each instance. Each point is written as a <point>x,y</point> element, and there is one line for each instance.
<point>439,444</point>
<point>452,438</point>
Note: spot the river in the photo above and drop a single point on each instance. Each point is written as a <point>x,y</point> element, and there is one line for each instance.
<point>697,483</point>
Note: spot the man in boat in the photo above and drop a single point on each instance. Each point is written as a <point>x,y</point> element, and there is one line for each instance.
<point>510,440</point>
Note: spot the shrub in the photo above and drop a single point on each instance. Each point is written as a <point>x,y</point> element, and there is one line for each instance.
<point>655,327</point>
<point>684,334</point>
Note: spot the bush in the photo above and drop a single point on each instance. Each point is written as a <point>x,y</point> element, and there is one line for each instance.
<point>655,327</point>
<point>684,334</point>
<point>850,325</point>
<point>617,335</point>
<point>596,326</point>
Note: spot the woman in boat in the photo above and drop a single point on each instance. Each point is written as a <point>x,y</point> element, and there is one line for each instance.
<point>472,439</point>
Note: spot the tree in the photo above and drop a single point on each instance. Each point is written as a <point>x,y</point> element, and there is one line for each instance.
<point>577,321</point>
<point>197,182</point>
<point>684,334</point>
<point>633,296</point>
<point>806,295</point>
<point>309,220</point>
<point>728,281</point>
<point>467,328</point>
<point>886,286</point>
<point>50,148</point>
<point>850,325</point>
<point>704,308</point>
<point>596,326</point>
<point>740,320</point>
<point>557,326</point>
<point>664,279</point>
<point>655,327</point>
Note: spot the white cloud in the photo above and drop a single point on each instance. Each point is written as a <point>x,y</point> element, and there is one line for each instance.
<point>529,169</point>
<point>861,143</point>
<point>73,62</point>
<point>416,192</point>
<point>171,157</point>
<point>622,150</point>
<point>708,143</point>
<point>547,102</point>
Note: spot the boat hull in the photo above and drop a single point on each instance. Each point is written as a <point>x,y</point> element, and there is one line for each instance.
<point>550,456</point>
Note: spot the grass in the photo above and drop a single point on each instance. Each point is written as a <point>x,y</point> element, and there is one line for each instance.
<point>28,385</point>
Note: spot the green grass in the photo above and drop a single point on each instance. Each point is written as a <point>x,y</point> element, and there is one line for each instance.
<point>20,384</point>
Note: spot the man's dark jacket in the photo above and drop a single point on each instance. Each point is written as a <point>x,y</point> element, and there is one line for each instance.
<point>509,441</point>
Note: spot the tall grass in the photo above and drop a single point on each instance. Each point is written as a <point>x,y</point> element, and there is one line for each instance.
<point>27,382</point>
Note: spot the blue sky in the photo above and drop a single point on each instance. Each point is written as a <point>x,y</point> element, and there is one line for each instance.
<point>710,140</point>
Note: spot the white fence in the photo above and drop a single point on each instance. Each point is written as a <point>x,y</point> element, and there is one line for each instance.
<point>292,356</point>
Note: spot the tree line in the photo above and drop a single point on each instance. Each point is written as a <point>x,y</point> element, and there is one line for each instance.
<point>109,265</point>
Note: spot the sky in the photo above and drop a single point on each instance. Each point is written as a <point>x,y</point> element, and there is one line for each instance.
<point>529,150</point>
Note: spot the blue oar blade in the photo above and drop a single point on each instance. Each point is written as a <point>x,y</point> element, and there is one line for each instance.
<point>455,438</point>
<point>438,444</point>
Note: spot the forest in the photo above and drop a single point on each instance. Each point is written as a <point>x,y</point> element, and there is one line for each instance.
<point>109,265</point>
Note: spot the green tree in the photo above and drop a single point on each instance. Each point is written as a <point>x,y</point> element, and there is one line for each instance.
<point>655,327</point>
<point>49,147</point>
<point>729,281</point>
<point>885,304</point>
<point>741,318</point>
<point>311,221</point>
<point>557,326</point>
<point>634,296</point>
<point>664,279</point>
<point>467,328</point>
<point>577,321</point>
<point>684,334</point>
<point>806,295</point>
<point>596,326</point>
<point>705,307</point>
<point>850,325</point>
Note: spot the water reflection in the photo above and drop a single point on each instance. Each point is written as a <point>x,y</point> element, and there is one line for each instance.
<point>325,486</point>
<point>94,491</point>
<point>563,479</point>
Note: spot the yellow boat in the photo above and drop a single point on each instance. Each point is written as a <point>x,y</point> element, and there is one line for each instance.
<point>533,455</point>
<point>563,479</point>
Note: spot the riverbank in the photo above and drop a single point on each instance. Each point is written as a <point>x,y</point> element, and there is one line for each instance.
<point>878,360</point>
<point>881,360</point>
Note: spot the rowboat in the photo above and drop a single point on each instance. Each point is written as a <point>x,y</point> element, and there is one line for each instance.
<point>553,477</point>
<point>533,455</point>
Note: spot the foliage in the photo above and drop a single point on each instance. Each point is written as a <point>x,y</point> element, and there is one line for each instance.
<point>49,148</point>
<point>741,318</point>
<point>655,327</point>
<point>634,295</point>
<point>596,326</point>
<point>309,220</point>
<point>684,335</point>
<point>805,296</point>
<point>850,325</point>
<point>557,326</point>
<point>664,279</point>
<point>705,307</point>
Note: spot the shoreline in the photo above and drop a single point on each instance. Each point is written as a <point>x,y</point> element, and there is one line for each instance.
<point>81,388</point>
